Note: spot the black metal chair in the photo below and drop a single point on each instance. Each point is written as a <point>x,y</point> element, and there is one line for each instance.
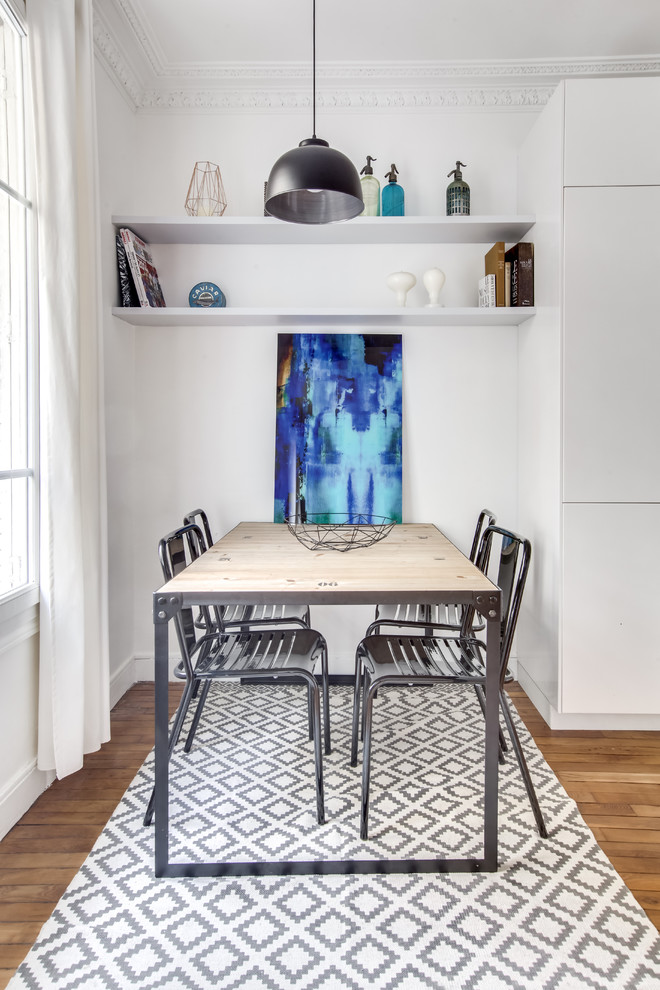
<point>244,616</point>
<point>405,660</point>
<point>430,617</point>
<point>266,654</point>
<point>230,618</point>
<point>446,616</point>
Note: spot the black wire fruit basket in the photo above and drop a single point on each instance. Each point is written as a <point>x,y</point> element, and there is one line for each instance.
<point>339,531</point>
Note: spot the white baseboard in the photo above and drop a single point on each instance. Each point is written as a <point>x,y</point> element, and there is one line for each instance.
<point>584,720</point>
<point>535,695</point>
<point>132,671</point>
<point>20,794</point>
<point>143,668</point>
<point>122,679</point>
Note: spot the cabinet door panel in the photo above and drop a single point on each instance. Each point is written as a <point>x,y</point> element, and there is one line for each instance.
<point>611,135</point>
<point>611,345</point>
<point>610,656</point>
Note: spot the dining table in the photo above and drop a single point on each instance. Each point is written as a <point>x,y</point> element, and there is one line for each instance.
<point>264,563</point>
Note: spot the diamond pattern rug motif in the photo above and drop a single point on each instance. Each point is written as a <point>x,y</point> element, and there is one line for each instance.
<point>556,915</point>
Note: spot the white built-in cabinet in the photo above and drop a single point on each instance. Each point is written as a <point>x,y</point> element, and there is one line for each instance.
<point>589,367</point>
<point>610,661</point>
<point>611,344</point>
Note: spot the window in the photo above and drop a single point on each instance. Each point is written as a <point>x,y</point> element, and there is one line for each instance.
<point>17,365</point>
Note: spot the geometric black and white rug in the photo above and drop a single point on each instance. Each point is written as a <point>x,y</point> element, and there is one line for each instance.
<point>555,915</point>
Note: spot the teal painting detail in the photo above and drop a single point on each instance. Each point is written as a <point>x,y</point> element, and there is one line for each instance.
<point>338,437</point>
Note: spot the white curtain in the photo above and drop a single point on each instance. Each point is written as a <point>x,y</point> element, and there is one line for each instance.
<point>74,713</point>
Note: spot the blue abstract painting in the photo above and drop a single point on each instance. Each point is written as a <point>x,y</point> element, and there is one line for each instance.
<point>338,439</point>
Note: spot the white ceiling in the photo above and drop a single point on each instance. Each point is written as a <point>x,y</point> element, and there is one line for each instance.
<point>204,31</point>
<point>167,53</point>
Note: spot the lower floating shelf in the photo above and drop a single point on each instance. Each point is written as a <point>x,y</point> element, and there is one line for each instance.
<point>237,316</point>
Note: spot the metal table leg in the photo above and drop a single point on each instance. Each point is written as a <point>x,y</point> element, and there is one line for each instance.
<point>163,609</point>
<point>493,632</point>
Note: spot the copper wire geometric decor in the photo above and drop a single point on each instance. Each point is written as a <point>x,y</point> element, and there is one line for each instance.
<point>338,531</point>
<point>206,193</point>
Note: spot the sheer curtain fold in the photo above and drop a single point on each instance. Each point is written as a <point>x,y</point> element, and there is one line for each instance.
<point>74,713</point>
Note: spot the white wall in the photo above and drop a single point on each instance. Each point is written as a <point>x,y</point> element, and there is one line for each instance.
<point>539,366</point>
<point>117,129</point>
<point>20,781</point>
<point>204,400</point>
<point>424,145</point>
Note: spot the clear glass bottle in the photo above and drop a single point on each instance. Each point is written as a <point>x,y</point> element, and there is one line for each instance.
<point>458,194</point>
<point>393,198</point>
<point>370,190</point>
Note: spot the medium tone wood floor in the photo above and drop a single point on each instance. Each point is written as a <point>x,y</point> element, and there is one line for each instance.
<point>613,776</point>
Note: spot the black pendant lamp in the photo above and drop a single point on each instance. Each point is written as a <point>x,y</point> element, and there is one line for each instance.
<point>313,183</point>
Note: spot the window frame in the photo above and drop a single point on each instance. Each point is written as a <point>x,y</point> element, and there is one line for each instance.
<point>18,607</point>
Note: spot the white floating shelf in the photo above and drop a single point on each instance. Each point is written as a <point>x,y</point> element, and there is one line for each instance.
<point>236,316</point>
<point>361,230</point>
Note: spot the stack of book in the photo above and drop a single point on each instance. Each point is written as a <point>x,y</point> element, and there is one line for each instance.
<point>138,278</point>
<point>509,276</point>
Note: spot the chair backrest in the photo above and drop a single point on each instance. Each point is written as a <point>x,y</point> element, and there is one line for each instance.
<point>480,556</point>
<point>176,551</point>
<point>486,518</point>
<point>199,518</point>
<point>508,570</point>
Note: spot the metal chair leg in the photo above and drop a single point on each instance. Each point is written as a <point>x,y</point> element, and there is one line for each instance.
<point>310,711</point>
<point>181,712</point>
<point>318,756</point>
<point>524,769</point>
<point>326,699</point>
<point>365,685</point>
<point>197,716</point>
<point>366,763</point>
<point>357,691</point>
<point>479,691</point>
<point>149,813</point>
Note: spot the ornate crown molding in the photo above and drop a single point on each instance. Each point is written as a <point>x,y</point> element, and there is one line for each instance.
<point>439,98</point>
<point>114,62</point>
<point>123,43</point>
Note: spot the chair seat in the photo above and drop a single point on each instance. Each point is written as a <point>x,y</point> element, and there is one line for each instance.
<point>232,614</point>
<point>229,616</point>
<point>436,615</point>
<point>269,652</point>
<point>419,657</point>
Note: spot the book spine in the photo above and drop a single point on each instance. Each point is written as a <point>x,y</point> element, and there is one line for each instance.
<point>514,281</point>
<point>127,290</point>
<point>134,266</point>
<point>494,265</point>
<point>499,282</point>
<point>525,279</point>
<point>521,257</point>
<point>507,283</point>
<point>487,292</point>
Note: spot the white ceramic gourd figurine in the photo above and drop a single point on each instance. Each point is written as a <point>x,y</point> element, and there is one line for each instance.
<point>401,283</point>
<point>434,279</point>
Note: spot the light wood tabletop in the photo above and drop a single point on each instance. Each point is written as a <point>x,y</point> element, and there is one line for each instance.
<point>260,561</point>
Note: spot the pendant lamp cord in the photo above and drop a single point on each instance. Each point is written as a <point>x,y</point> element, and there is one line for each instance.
<point>313,68</point>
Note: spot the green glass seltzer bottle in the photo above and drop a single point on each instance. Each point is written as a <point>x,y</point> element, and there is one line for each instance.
<point>458,194</point>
